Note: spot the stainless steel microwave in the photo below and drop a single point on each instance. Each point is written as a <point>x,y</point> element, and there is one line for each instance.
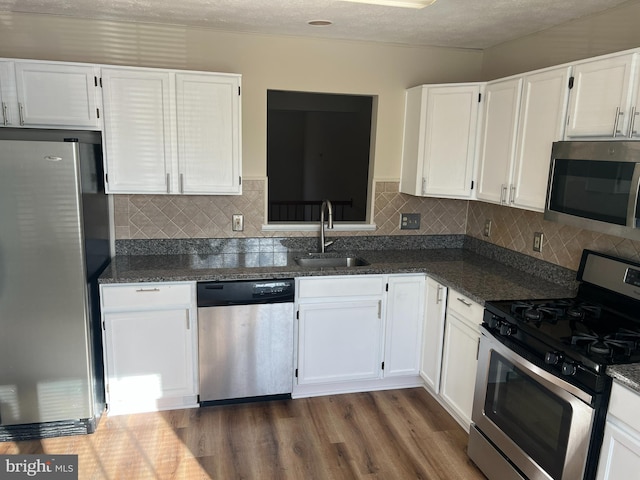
<point>594,185</point>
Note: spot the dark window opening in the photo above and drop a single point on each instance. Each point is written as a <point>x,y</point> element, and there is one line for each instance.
<point>317,148</point>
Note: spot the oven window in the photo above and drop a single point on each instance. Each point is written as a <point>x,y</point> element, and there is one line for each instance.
<point>534,418</point>
<point>592,189</point>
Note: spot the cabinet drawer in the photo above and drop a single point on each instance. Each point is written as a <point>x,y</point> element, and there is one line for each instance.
<point>146,295</point>
<point>465,307</point>
<point>360,285</point>
<point>625,405</point>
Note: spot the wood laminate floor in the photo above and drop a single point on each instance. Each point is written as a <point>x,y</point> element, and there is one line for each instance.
<point>390,435</point>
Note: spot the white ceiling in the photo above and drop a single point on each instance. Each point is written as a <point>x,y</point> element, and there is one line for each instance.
<point>449,23</point>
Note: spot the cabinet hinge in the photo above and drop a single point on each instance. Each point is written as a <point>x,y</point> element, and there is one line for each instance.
<point>479,97</point>
<point>296,373</point>
<point>472,184</point>
<point>571,82</point>
<point>382,365</point>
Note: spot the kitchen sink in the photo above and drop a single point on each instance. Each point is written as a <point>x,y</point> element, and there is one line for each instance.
<point>319,262</point>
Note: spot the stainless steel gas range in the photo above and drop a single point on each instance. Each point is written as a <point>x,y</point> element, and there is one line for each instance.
<point>541,390</point>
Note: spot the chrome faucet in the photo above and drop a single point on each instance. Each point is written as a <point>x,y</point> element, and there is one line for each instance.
<point>326,203</point>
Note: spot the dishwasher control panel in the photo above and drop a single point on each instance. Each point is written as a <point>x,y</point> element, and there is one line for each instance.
<point>245,292</point>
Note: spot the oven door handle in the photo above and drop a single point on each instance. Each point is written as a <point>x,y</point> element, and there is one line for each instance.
<point>551,381</point>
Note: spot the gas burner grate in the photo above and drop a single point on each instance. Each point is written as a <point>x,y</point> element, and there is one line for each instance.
<point>608,345</point>
<point>541,312</point>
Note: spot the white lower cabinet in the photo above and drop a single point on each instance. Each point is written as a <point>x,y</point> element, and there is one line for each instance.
<point>150,346</point>
<point>358,333</point>
<point>404,318</point>
<point>432,334</point>
<point>460,356</point>
<point>620,452</point>
<point>339,341</point>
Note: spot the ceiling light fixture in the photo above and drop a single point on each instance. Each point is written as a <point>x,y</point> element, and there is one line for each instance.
<point>396,3</point>
<point>320,23</point>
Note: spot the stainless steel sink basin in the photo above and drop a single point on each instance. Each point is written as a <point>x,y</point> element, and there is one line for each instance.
<point>319,262</point>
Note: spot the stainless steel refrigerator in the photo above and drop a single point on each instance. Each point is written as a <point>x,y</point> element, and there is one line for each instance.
<point>54,243</point>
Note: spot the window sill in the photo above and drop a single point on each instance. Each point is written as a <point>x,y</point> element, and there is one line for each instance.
<point>315,227</point>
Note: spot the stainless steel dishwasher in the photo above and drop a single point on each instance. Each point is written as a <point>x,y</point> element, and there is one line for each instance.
<point>245,340</point>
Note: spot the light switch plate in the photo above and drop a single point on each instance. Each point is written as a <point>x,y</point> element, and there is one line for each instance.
<point>409,221</point>
<point>237,222</point>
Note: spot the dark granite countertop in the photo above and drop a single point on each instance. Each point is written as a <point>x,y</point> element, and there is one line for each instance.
<point>470,273</point>
<point>628,375</point>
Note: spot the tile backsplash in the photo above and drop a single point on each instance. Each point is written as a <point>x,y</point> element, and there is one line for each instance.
<point>514,229</point>
<point>208,216</point>
<point>192,216</point>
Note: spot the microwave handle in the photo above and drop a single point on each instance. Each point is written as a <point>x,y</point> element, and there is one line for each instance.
<point>633,215</point>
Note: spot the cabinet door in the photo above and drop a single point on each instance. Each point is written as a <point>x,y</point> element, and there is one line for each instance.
<point>208,112</point>
<point>149,356</point>
<point>8,98</point>
<point>620,453</point>
<point>452,116</point>
<point>460,360</point>
<point>542,121</point>
<point>57,94</point>
<point>433,334</point>
<point>600,97</point>
<point>339,341</point>
<point>440,140</point>
<point>403,333</point>
<point>502,100</point>
<point>137,131</point>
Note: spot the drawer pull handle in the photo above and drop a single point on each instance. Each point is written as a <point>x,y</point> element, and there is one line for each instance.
<point>142,290</point>
<point>468,304</point>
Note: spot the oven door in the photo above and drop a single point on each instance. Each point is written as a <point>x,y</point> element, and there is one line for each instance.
<point>539,422</point>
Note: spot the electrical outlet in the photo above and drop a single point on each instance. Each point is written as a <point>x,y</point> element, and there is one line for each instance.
<point>237,222</point>
<point>538,238</point>
<point>409,221</point>
<point>487,228</point>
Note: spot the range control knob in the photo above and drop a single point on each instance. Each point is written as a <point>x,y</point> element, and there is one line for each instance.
<point>493,321</point>
<point>552,358</point>
<point>569,368</point>
<point>507,329</point>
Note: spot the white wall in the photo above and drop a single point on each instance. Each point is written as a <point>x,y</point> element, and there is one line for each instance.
<point>266,62</point>
<point>611,31</point>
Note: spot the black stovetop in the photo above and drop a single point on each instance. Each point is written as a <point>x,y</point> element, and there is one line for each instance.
<point>588,332</point>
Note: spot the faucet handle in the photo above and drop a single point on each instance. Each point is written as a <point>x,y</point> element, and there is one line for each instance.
<point>329,243</point>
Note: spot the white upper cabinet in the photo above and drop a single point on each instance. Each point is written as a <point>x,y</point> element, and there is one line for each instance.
<point>208,111</point>
<point>172,132</point>
<point>58,95</point>
<point>542,120</point>
<point>601,103</point>
<point>137,130</point>
<point>523,117</point>
<point>502,101</point>
<point>8,98</point>
<point>440,140</point>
